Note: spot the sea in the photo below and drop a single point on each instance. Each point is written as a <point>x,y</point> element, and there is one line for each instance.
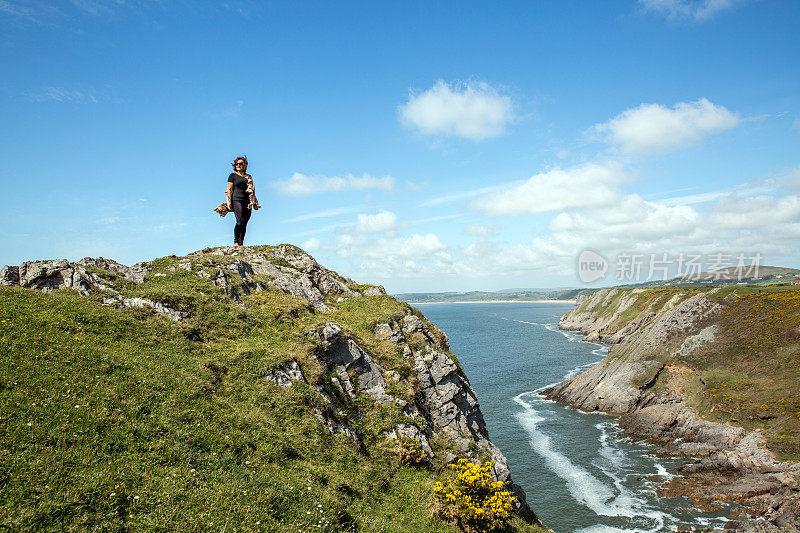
<point>578,471</point>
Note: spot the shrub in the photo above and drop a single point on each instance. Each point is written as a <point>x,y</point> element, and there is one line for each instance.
<point>472,500</point>
<point>410,452</point>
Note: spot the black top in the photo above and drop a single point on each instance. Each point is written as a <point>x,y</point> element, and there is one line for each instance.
<point>239,188</point>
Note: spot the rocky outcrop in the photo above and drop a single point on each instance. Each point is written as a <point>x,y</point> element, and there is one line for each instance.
<point>136,273</point>
<point>727,462</point>
<point>234,271</point>
<point>286,268</point>
<point>287,374</point>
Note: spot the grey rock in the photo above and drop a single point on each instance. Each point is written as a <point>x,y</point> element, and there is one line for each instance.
<point>9,275</point>
<point>374,291</point>
<point>286,375</point>
<point>385,332</point>
<point>346,357</point>
<point>135,273</point>
<point>693,342</point>
<point>333,426</point>
<point>410,431</point>
<point>331,331</point>
<point>55,274</point>
<point>313,334</point>
<point>158,307</point>
<point>412,324</point>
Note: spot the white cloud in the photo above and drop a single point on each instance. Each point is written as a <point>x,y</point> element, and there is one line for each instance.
<point>693,198</point>
<point>311,245</point>
<point>385,257</point>
<point>734,212</point>
<point>302,185</point>
<point>414,246</point>
<point>631,223</point>
<point>736,223</point>
<point>170,226</point>
<point>739,221</point>
<point>587,185</point>
<point>382,222</point>
<point>697,10</point>
<point>652,128</point>
<point>472,110</point>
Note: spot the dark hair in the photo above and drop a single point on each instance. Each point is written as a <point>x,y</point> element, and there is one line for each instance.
<point>243,157</point>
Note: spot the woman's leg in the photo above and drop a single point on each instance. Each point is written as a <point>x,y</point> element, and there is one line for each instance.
<point>242,213</point>
<point>246,212</point>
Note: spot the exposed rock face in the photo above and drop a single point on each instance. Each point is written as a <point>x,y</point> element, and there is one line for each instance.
<point>617,384</point>
<point>290,269</point>
<point>158,307</point>
<point>286,375</point>
<point>9,275</point>
<point>729,463</point>
<point>446,400</point>
<point>136,273</point>
<point>50,275</point>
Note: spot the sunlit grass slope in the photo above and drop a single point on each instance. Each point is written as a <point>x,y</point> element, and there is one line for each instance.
<point>119,419</point>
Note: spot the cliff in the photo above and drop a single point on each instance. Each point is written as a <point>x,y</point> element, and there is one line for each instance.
<point>709,374</point>
<point>239,389</point>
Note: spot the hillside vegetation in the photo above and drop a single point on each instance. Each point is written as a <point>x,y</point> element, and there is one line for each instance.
<point>214,392</point>
<point>743,369</point>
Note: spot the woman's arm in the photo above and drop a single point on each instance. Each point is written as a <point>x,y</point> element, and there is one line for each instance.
<point>229,192</point>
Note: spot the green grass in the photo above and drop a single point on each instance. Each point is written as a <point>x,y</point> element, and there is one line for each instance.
<point>113,419</point>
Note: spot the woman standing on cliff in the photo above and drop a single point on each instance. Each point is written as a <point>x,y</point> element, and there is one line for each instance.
<point>242,199</point>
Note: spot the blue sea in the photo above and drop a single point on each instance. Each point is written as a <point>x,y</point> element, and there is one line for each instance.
<point>578,472</point>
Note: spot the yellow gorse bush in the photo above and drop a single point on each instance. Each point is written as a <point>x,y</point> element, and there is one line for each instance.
<point>474,498</point>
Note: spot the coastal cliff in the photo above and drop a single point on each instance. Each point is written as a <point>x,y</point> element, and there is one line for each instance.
<point>709,374</point>
<point>249,386</point>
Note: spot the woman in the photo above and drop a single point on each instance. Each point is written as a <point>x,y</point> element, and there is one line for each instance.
<point>241,196</point>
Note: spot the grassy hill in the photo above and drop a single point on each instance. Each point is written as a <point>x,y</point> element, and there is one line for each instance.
<point>152,399</point>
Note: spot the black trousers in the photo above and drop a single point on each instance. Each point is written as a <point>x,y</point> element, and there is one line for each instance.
<point>242,213</point>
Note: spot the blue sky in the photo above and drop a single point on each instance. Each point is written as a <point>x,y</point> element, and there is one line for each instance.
<point>423,146</point>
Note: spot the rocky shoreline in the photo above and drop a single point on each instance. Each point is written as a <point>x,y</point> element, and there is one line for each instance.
<point>646,389</point>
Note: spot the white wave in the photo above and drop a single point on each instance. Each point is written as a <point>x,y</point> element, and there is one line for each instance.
<point>662,471</point>
<point>707,521</point>
<point>604,529</point>
<point>577,370</point>
<point>531,323</point>
<point>609,450</point>
<point>601,351</point>
<point>602,499</point>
